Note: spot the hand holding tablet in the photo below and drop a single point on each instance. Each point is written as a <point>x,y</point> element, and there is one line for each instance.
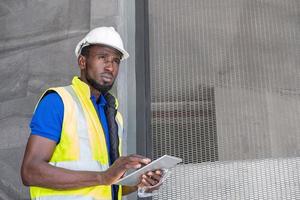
<point>164,162</point>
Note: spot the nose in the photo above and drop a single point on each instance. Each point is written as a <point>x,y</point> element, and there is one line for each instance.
<point>109,65</point>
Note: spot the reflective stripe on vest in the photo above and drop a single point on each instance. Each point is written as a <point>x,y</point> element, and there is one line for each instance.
<point>82,144</point>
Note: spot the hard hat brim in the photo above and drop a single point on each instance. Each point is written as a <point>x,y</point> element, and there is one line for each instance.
<point>83,44</point>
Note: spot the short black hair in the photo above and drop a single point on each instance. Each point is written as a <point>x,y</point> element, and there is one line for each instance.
<point>85,51</point>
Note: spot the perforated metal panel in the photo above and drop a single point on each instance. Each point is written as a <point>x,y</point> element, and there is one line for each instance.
<point>225,97</point>
<point>175,123</point>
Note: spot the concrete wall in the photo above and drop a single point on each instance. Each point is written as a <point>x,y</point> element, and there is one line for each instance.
<point>256,124</point>
<point>37,52</point>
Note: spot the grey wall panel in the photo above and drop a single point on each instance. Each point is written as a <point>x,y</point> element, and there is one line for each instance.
<point>256,124</point>
<point>241,120</point>
<point>14,76</point>
<point>37,44</point>
<point>283,120</point>
<point>105,13</point>
<point>34,23</point>
<point>37,51</point>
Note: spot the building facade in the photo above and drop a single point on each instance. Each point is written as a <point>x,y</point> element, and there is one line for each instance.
<point>215,82</point>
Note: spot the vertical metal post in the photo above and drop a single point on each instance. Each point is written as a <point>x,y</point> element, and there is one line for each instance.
<point>143,101</point>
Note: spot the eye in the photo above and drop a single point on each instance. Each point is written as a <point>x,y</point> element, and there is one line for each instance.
<point>101,56</point>
<point>117,60</point>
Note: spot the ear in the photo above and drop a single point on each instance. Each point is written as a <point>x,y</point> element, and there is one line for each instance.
<point>81,62</point>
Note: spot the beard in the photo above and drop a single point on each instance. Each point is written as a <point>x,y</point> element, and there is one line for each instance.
<point>103,89</point>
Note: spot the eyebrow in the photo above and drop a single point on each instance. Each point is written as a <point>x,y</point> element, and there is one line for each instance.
<point>116,51</point>
<point>104,53</point>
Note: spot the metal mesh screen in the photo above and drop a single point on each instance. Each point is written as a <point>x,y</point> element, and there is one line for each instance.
<point>225,97</point>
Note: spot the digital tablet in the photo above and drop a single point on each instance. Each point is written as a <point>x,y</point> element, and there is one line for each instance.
<point>164,162</point>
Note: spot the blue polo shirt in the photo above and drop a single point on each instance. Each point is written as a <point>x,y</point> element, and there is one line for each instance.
<point>47,119</point>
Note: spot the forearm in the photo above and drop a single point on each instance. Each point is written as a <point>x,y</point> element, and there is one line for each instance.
<point>36,171</point>
<point>46,175</point>
<point>128,189</point>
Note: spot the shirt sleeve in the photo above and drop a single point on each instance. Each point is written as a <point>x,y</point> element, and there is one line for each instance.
<point>48,117</point>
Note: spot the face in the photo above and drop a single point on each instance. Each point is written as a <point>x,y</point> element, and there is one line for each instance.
<point>100,67</point>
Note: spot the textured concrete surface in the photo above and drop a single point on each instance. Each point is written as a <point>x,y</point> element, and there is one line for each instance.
<point>256,124</point>
<point>37,44</point>
<point>36,53</point>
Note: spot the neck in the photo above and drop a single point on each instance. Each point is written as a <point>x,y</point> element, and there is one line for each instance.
<point>94,92</point>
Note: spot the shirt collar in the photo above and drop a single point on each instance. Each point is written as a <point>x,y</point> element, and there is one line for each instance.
<point>102,100</point>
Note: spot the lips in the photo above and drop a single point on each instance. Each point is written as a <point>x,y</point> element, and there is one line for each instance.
<point>107,77</point>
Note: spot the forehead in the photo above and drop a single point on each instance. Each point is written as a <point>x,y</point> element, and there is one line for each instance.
<point>99,48</point>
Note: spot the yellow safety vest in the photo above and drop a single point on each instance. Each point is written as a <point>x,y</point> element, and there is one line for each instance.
<point>82,144</point>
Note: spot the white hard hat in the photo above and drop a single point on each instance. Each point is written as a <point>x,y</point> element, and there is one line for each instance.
<point>102,35</point>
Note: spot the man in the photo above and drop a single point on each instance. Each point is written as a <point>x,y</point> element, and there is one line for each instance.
<point>73,151</point>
